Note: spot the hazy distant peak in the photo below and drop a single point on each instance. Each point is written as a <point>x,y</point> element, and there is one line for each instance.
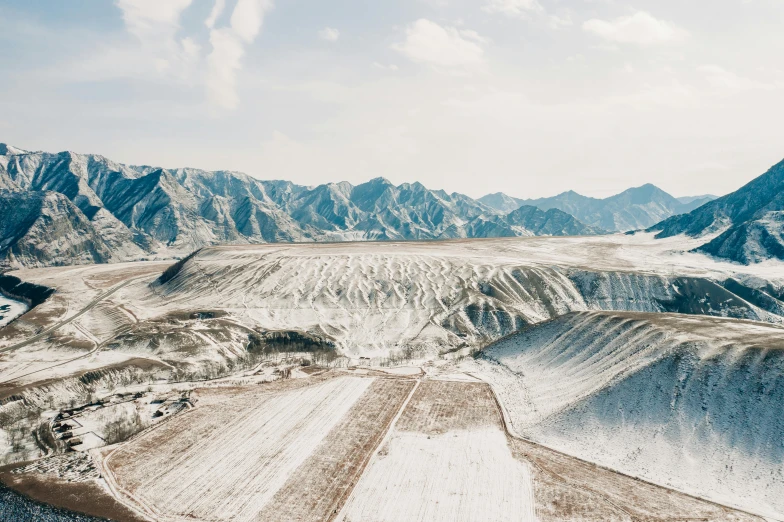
<point>704,197</point>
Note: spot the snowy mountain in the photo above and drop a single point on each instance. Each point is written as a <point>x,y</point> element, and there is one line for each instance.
<point>530,220</point>
<point>750,221</point>
<point>632,209</point>
<point>697,200</point>
<point>106,211</point>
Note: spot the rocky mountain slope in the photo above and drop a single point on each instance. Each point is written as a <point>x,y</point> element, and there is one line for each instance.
<point>632,209</point>
<point>106,211</point>
<point>750,221</point>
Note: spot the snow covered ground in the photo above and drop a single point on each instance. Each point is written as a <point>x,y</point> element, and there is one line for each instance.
<point>446,460</point>
<point>641,392</point>
<point>228,458</point>
<point>458,476</point>
<point>383,299</point>
<point>606,375</point>
<point>10,310</point>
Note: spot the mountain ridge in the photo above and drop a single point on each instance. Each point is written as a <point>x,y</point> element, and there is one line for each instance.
<point>633,209</point>
<point>749,222</point>
<point>126,212</point>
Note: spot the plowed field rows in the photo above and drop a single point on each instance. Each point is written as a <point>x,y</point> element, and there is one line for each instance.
<point>322,482</point>
<point>226,460</point>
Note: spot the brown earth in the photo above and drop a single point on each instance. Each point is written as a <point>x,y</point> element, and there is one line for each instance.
<point>87,497</point>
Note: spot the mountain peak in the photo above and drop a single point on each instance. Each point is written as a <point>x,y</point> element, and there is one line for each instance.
<point>10,150</point>
<point>380,180</point>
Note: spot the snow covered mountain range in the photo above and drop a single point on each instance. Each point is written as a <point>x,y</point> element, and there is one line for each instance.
<point>749,221</point>
<point>632,209</point>
<point>69,208</point>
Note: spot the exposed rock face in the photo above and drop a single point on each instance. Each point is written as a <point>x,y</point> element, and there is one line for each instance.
<point>46,228</point>
<point>751,221</point>
<point>84,208</point>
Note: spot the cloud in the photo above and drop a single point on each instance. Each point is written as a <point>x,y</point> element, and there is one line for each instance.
<point>390,67</point>
<point>640,28</point>
<point>152,20</point>
<point>512,8</point>
<point>723,79</point>
<point>557,22</point>
<point>155,24</point>
<point>217,10</point>
<point>448,47</point>
<point>247,17</point>
<point>329,34</point>
<point>223,63</point>
<point>228,48</point>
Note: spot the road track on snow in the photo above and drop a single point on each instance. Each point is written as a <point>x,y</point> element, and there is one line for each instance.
<point>92,304</point>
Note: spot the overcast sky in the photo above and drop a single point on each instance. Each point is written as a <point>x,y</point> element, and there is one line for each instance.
<point>528,97</point>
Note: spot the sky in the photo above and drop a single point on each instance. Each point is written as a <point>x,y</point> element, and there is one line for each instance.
<point>528,97</point>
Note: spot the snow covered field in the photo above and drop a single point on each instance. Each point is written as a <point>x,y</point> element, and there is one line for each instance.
<point>231,456</point>
<point>446,460</point>
<point>458,476</point>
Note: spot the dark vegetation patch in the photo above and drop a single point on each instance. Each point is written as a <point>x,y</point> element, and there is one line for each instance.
<point>171,272</point>
<point>288,341</point>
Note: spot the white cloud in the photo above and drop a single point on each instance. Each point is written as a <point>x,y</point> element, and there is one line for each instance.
<point>721,78</point>
<point>513,8</point>
<point>329,34</point>
<point>247,17</point>
<point>228,47</point>
<point>429,43</point>
<point>390,67</point>
<point>557,22</point>
<point>155,23</point>
<point>640,28</point>
<point>217,10</point>
<point>152,20</point>
<point>223,62</point>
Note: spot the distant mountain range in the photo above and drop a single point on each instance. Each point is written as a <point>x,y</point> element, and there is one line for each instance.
<point>749,222</point>
<point>634,209</point>
<point>68,208</point>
